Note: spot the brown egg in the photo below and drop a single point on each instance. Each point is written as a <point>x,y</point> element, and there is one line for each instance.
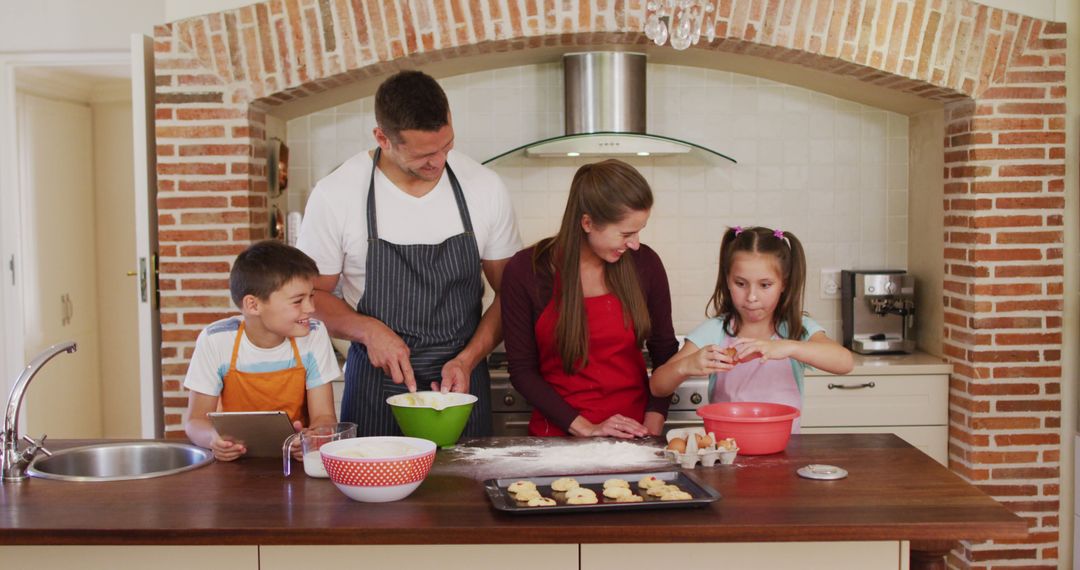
<point>678,445</point>
<point>703,440</point>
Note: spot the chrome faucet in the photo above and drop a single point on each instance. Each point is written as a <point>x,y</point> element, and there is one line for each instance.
<point>13,462</point>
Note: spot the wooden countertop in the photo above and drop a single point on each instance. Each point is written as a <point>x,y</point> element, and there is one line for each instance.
<point>893,492</point>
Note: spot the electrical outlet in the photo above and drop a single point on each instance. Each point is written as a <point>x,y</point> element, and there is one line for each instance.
<point>830,283</point>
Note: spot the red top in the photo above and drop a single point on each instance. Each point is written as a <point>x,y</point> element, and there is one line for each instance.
<point>616,369</point>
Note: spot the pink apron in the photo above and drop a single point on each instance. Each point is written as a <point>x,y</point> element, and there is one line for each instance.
<point>757,381</point>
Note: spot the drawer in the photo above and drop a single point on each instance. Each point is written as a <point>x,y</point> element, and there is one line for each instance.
<point>920,399</point>
<point>931,440</point>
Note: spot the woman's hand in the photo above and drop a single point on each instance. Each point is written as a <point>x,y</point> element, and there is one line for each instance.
<point>711,358</point>
<point>615,426</point>
<point>225,450</point>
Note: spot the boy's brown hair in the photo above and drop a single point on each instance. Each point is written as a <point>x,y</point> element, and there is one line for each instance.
<point>265,267</point>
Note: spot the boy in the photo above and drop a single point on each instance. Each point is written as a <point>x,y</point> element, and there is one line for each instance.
<point>272,357</point>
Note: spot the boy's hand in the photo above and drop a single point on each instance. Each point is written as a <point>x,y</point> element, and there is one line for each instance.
<point>295,449</point>
<point>225,450</point>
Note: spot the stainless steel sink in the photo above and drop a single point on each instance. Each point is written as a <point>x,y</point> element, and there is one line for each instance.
<point>120,461</point>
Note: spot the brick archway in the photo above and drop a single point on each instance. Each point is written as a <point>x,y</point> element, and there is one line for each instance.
<point>999,75</point>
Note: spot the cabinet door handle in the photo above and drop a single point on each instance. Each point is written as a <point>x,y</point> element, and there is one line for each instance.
<point>850,386</point>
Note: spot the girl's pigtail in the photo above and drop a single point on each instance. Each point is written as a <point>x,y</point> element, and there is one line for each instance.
<point>796,286</point>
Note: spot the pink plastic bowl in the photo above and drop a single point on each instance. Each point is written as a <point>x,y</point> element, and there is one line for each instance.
<point>759,428</point>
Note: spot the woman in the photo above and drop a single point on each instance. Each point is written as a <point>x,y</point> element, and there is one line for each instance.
<point>577,307</point>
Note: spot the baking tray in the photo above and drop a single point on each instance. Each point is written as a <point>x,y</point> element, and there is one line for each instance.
<point>503,500</point>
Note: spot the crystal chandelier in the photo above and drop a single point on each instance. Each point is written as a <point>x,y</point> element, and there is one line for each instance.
<point>680,20</point>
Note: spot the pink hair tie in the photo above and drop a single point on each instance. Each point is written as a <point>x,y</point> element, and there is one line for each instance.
<point>779,234</point>
<point>738,230</point>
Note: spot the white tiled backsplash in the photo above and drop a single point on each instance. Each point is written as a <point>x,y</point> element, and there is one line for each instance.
<point>833,172</point>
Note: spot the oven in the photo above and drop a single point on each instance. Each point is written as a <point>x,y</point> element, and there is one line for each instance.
<point>510,412</point>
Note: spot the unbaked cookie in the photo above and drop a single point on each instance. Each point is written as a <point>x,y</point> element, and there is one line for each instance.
<point>582,500</point>
<point>616,483</point>
<point>526,494</point>
<point>541,502</point>
<point>630,499</point>
<point>660,490</point>
<point>676,496</point>
<point>648,482</point>
<point>617,492</point>
<point>519,486</point>
<point>564,484</point>
<point>580,492</point>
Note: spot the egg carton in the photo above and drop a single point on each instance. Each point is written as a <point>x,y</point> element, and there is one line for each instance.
<point>707,456</point>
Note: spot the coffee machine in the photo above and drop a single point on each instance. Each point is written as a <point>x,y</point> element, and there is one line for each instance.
<point>878,310</point>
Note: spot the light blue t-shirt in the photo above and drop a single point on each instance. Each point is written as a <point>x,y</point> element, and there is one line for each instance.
<point>712,332</point>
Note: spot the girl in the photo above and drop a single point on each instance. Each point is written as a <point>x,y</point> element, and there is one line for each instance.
<point>758,342</point>
<point>576,308</point>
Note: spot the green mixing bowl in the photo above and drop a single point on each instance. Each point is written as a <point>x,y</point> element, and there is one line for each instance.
<point>419,415</point>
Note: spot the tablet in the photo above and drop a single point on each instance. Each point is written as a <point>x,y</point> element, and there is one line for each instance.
<point>263,433</point>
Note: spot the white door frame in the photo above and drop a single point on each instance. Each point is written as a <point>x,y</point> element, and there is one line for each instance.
<point>12,318</point>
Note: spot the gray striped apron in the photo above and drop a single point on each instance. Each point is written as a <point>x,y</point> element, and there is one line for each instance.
<point>430,295</point>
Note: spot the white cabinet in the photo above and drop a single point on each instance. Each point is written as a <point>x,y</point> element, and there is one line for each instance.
<point>441,556</point>
<point>132,557</point>
<point>883,555</point>
<point>339,389</point>
<point>913,406</point>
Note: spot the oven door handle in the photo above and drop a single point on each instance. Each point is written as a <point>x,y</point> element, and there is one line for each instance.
<point>671,423</point>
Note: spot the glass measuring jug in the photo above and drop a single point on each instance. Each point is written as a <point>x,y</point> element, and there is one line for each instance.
<point>311,439</point>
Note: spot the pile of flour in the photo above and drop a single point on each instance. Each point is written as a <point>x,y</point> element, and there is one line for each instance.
<point>561,456</point>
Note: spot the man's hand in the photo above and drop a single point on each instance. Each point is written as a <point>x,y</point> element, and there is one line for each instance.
<point>455,377</point>
<point>386,350</point>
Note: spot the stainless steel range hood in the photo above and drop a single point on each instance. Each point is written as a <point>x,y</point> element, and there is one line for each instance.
<point>605,114</point>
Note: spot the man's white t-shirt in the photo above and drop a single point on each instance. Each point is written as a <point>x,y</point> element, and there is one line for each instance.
<point>213,354</point>
<point>334,230</point>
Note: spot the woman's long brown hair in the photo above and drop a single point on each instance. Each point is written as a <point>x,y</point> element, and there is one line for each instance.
<point>607,191</point>
<point>789,258</point>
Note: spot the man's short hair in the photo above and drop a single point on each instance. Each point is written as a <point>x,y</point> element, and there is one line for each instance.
<point>410,101</point>
<point>265,267</point>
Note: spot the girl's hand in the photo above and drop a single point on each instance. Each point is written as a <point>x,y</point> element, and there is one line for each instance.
<point>225,450</point>
<point>764,349</point>
<point>711,358</point>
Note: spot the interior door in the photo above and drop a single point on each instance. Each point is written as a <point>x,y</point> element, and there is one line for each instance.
<point>60,291</point>
<point>146,253</point>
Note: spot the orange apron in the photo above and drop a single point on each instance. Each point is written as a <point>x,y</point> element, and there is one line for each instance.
<point>281,390</point>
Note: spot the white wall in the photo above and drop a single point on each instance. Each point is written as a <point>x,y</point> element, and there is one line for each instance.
<point>832,172</point>
<point>75,25</point>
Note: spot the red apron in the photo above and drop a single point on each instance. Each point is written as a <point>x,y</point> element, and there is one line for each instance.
<point>284,390</point>
<point>613,382</point>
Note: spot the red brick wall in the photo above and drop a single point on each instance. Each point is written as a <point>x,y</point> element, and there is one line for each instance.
<point>1000,75</point>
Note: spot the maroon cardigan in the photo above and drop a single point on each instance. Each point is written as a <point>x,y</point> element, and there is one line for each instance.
<point>525,294</point>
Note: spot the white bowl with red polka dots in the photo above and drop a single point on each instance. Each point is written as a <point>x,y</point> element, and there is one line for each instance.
<point>378,469</point>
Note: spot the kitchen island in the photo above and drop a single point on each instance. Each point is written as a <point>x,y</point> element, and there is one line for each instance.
<point>894,496</point>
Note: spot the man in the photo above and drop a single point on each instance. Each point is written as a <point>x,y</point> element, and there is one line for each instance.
<point>407,229</point>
